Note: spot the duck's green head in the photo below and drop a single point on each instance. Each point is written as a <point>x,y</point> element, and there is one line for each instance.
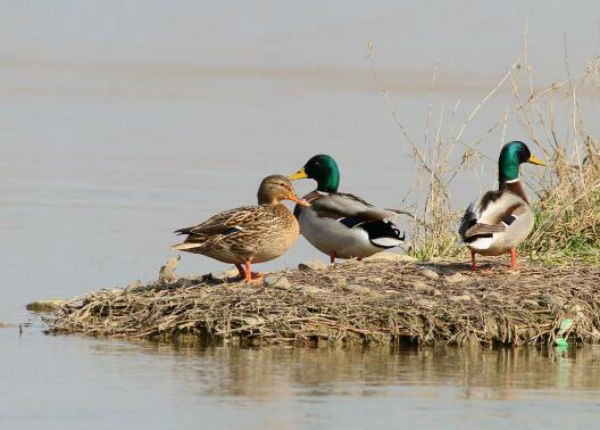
<point>512,155</point>
<point>323,169</point>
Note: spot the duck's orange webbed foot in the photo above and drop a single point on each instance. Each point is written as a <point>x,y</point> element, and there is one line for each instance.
<point>256,276</point>
<point>475,268</point>
<point>249,275</point>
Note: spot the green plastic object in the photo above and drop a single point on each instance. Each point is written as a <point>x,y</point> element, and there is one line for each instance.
<point>561,342</point>
<point>565,324</point>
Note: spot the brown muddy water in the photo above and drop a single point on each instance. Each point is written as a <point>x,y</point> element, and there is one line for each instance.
<point>122,122</point>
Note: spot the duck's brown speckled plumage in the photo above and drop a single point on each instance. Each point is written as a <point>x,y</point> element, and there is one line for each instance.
<point>248,234</point>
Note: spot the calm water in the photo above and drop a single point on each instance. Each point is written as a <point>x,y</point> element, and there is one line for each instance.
<point>99,384</point>
<point>117,128</point>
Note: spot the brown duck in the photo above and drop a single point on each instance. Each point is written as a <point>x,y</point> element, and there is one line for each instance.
<point>248,234</point>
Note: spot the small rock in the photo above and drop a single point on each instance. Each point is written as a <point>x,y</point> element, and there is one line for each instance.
<point>253,321</point>
<point>492,295</point>
<point>312,265</point>
<point>430,274</point>
<point>277,281</point>
<point>311,290</point>
<point>359,289</point>
<point>133,285</point>
<point>457,277</point>
<point>338,281</point>
<point>389,256</point>
<point>166,274</point>
<point>184,282</point>
<point>45,306</point>
<point>423,288</point>
<point>425,303</point>
<point>529,303</point>
<point>461,298</point>
<point>227,274</point>
<point>549,299</point>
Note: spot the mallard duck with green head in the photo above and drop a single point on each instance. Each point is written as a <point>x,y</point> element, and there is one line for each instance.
<point>248,234</point>
<point>500,220</point>
<point>338,224</point>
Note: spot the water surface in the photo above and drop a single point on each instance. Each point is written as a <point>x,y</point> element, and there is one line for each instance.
<point>97,384</point>
<point>120,122</point>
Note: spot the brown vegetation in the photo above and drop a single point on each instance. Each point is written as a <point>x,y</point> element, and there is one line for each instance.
<point>551,120</point>
<point>383,300</point>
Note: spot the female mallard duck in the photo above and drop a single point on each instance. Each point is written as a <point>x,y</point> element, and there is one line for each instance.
<point>249,234</point>
<point>341,225</point>
<point>503,218</point>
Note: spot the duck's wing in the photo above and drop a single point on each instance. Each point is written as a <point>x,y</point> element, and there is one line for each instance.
<point>221,221</point>
<point>343,205</point>
<point>243,220</point>
<point>354,212</point>
<point>493,213</point>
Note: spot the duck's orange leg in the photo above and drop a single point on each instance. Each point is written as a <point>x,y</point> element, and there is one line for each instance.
<point>473,262</point>
<point>332,257</point>
<point>513,259</point>
<point>242,271</point>
<point>474,266</point>
<point>252,276</point>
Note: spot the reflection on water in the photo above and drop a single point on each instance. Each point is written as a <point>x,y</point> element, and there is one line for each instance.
<point>89,382</point>
<point>271,372</point>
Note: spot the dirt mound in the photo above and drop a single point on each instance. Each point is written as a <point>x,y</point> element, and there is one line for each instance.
<point>383,300</point>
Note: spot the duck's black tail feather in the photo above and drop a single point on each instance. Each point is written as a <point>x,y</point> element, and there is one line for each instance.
<point>384,234</point>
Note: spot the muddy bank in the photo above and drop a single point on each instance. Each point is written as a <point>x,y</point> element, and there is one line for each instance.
<point>382,300</point>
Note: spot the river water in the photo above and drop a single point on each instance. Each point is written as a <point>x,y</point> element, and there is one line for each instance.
<point>74,382</point>
<point>121,122</point>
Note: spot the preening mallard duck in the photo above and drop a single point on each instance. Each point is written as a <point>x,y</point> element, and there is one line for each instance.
<point>248,234</point>
<point>338,224</point>
<point>503,218</point>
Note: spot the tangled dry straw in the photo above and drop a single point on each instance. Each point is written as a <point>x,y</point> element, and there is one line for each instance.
<point>384,300</point>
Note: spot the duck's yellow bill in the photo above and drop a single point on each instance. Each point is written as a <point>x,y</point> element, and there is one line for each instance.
<point>534,160</point>
<point>300,174</point>
<point>302,202</point>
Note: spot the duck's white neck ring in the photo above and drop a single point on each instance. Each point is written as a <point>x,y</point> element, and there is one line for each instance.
<point>512,181</point>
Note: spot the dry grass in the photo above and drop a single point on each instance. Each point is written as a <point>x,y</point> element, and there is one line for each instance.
<point>382,300</point>
<point>566,196</point>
